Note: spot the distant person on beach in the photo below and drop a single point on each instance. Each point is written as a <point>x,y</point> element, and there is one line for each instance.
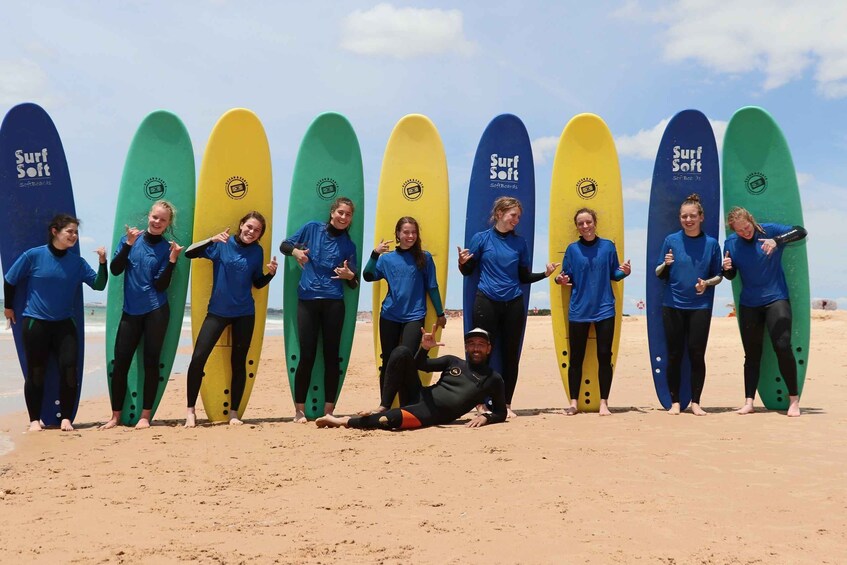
<point>54,277</point>
<point>690,265</point>
<point>590,265</point>
<point>327,256</point>
<point>462,385</point>
<point>502,257</point>
<point>755,252</point>
<point>410,274</point>
<point>147,261</point>
<point>237,263</point>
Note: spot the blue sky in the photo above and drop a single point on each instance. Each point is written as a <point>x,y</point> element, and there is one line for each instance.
<point>99,68</point>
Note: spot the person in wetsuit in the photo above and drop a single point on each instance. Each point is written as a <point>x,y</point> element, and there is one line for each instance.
<point>755,252</point>
<point>590,265</point>
<point>147,262</point>
<point>54,276</point>
<point>237,263</point>
<point>690,265</point>
<point>410,274</point>
<point>462,386</point>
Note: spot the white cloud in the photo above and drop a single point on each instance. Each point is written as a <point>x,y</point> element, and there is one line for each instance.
<point>645,143</point>
<point>638,191</point>
<point>781,39</point>
<point>404,33</point>
<point>544,149</point>
<point>22,81</point>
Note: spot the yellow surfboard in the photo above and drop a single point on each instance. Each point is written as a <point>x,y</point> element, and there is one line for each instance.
<point>235,178</point>
<point>585,174</point>
<point>413,182</point>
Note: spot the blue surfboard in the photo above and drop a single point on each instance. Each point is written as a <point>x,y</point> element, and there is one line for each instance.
<point>687,162</point>
<point>503,166</point>
<point>35,185</point>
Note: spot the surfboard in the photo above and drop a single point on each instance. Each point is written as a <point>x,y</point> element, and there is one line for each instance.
<point>585,174</point>
<point>414,182</point>
<point>502,166</point>
<point>759,175</point>
<point>686,162</point>
<point>159,166</point>
<point>329,165</point>
<point>235,178</point>
<point>35,185</point>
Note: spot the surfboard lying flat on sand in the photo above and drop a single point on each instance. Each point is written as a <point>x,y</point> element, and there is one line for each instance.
<point>758,174</point>
<point>502,166</point>
<point>329,165</point>
<point>159,166</point>
<point>585,174</point>
<point>235,178</point>
<point>413,182</point>
<point>35,185</point>
<point>687,162</point>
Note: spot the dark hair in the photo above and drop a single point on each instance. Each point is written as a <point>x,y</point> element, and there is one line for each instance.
<point>694,199</point>
<point>255,215</point>
<point>586,211</point>
<point>417,252</point>
<point>58,223</point>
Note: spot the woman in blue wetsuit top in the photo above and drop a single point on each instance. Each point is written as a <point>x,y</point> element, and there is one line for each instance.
<point>690,265</point>
<point>147,261</point>
<point>755,252</point>
<point>54,277</point>
<point>410,274</point>
<point>237,263</point>
<point>590,265</point>
<point>503,260</point>
<point>327,256</point>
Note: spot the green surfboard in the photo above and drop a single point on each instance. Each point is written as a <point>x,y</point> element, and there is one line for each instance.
<point>758,174</point>
<point>159,165</point>
<point>329,165</point>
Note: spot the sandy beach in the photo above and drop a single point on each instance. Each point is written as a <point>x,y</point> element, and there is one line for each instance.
<point>637,487</point>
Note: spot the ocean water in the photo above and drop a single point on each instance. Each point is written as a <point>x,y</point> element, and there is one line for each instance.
<point>94,370</point>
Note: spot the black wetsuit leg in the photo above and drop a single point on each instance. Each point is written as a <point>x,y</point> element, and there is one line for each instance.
<point>391,335</point>
<point>152,326</point>
<point>504,322</point>
<point>242,335</point>
<point>605,330</point>
<point>778,321</point>
<point>315,318</point>
<point>155,328</point>
<point>699,323</point>
<point>420,415</point>
<point>689,327</point>
<point>776,316</point>
<point>401,376</point>
<point>211,330</point>
<point>130,330</point>
<point>577,339</point>
<point>673,320</point>
<point>43,338</point>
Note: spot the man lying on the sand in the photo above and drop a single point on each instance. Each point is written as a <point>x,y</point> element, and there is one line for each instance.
<point>463,385</point>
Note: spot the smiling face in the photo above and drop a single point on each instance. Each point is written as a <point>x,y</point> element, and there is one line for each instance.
<point>407,235</point>
<point>508,219</point>
<point>341,217</point>
<point>250,230</point>
<point>744,228</point>
<point>477,350</point>
<point>158,220</point>
<point>690,219</point>
<point>585,226</point>
<point>66,237</point>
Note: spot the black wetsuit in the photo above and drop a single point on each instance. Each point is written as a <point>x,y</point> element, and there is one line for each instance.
<point>461,387</point>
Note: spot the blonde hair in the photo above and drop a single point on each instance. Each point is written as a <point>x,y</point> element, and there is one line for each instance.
<point>503,204</point>
<point>170,208</point>
<point>739,213</point>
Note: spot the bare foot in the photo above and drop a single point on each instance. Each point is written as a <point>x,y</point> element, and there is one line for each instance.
<point>376,410</point>
<point>110,424</point>
<point>299,417</point>
<point>747,408</point>
<point>66,425</point>
<point>571,411</point>
<point>696,410</point>
<point>35,426</point>
<point>674,409</point>
<point>330,421</point>
<point>142,424</point>
<point>794,407</point>
<point>190,420</point>
<point>604,408</point>
<point>509,412</point>
<point>233,419</point>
